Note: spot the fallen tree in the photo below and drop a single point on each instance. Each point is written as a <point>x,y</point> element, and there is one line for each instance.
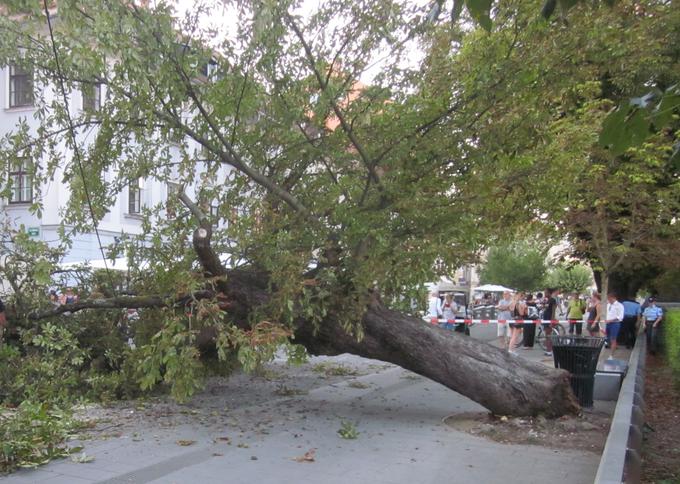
<point>504,384</point>
<point>377,185</point>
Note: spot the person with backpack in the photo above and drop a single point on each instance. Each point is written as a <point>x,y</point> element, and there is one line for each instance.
<point>532,314</point>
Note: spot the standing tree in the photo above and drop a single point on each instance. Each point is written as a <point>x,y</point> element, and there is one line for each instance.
<point>518,265</point>
<point>570,278</point>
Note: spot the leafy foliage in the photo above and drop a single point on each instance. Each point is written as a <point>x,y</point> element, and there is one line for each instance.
<point>517,265</point>
<point>348,431</point>
<point>33,434</point>
<point>672,341</point>
<point>570,278</point>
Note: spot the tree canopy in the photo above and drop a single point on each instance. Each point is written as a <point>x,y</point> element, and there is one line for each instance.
<point>519,265</point>
<point>570,278</point>
<point>345,190</point>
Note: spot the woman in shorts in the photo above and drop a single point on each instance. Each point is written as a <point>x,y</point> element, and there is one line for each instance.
<point>594,318</point>
<point>519,311</point>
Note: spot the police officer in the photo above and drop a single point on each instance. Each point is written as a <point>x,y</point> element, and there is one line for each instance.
<point>652,316</point>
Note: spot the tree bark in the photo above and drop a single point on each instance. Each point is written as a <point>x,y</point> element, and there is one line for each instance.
<point>122,302</point>
<point>504,384</point>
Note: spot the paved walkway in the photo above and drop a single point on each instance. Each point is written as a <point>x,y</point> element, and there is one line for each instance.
<point>245,430</point>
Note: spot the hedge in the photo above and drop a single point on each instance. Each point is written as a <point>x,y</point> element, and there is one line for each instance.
<point>672,331</point>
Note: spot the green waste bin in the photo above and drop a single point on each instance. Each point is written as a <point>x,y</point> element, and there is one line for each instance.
<point>578,355</point>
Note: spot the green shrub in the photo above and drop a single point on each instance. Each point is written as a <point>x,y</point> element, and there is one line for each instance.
<point>672,332</point>
<point>33,434</point>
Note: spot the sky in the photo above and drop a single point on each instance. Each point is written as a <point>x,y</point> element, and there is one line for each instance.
<point>224,19</point>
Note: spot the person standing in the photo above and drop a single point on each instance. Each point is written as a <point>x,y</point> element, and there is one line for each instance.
<point>593,319</point>
<point>434,307</point>
<point>449,309</point>
<point>68,297</point>
<point>652,316</point>
<point>631,316</point>
<point>529,331</point>
<point>519,311</point>
<point>613,321</point>
<point>549,311</point>
<point>504,313</point>
<point>575,310</point>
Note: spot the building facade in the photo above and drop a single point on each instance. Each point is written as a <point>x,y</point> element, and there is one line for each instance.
<point>19,100</point>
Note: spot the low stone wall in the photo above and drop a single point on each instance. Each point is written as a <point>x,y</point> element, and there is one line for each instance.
<point>620,460</point>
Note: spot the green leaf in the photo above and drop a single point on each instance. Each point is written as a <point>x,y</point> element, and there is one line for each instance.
<point>624,127</point>
<point>637,127</point>
<point>675,156</point>
<point>663,114</point>
<point>480,11</point>
<point>613,128</point>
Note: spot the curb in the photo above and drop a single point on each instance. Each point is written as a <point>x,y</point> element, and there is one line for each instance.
<point>621,458</point>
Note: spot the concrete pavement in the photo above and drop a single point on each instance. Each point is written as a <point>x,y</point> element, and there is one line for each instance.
<point>245,430</point>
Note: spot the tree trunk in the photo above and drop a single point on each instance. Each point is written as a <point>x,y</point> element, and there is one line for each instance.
<point>504,384</point>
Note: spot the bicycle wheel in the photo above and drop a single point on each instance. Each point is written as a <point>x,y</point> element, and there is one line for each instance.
<point>558,329</point>
<point>540,337</point>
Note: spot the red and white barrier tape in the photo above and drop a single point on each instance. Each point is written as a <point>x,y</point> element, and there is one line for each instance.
<point>552,322</point>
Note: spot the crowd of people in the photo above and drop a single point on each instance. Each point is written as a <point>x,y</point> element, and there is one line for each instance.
<point>620,324</point>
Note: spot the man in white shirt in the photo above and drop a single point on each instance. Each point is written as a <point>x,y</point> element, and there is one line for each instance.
<point>434,307</point>
<point>613,322</point>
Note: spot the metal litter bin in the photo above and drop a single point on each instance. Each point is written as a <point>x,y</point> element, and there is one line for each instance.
<point>578,355</point>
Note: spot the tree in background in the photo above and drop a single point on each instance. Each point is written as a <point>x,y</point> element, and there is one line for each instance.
<point>570,278</point>
<point>618,206</point>
<point>518,265</point>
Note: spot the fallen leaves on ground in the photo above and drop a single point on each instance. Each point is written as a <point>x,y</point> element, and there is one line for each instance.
<point>185,443</point>
<point>309,456</point>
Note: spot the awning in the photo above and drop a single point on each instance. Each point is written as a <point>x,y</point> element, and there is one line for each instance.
<point>492,288</point>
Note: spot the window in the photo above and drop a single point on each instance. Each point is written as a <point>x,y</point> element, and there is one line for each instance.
<point>171,205</point>
<point>20,87</point>
<point>135,193</point>
<point>215,215</point>
<point>22,183</point>
<point>92,97</point>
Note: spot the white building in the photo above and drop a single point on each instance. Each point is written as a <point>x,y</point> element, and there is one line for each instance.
<point>18,98</point>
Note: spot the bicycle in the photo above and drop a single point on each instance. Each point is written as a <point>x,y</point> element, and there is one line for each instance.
<point>557,329</point>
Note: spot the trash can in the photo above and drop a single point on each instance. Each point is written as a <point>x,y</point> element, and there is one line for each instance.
<point>578,355</point>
